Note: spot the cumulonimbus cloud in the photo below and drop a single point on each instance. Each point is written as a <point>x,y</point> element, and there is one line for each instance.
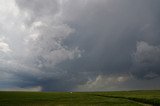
<point>66,45</point>
<point>42,35</point>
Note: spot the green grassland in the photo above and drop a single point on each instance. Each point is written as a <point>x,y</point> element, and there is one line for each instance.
<point>121,98</point>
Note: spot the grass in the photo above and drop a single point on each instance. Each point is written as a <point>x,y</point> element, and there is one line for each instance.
<point>149,97</point>
<point>125,98</point>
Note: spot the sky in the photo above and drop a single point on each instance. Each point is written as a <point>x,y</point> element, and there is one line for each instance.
<point>79,45</point>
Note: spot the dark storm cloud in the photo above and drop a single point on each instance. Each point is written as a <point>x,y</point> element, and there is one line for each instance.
<point>82,44</point>
<point>110,32</point>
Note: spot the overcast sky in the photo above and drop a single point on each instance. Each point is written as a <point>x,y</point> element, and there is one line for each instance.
<point>79,45</point>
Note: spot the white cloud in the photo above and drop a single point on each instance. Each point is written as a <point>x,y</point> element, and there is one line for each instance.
<point>60,55</point>
<point>103,83</point>
<point>147,53</point>
<point>146,60</point>
<point>8,7</point>
<point>4,47</point>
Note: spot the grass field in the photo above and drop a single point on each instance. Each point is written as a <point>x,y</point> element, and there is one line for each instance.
<point>123,98</point>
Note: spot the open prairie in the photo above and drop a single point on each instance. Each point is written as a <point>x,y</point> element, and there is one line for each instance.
<point>119,98</point>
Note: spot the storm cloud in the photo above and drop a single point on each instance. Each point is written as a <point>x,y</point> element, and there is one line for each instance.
<point>79,45</point>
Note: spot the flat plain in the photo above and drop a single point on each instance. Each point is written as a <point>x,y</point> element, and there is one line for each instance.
<point>116,98</point>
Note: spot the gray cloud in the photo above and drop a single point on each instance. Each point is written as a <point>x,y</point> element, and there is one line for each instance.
<point>33,63</point>
<point>66,45</point>
<point>146,61</point>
